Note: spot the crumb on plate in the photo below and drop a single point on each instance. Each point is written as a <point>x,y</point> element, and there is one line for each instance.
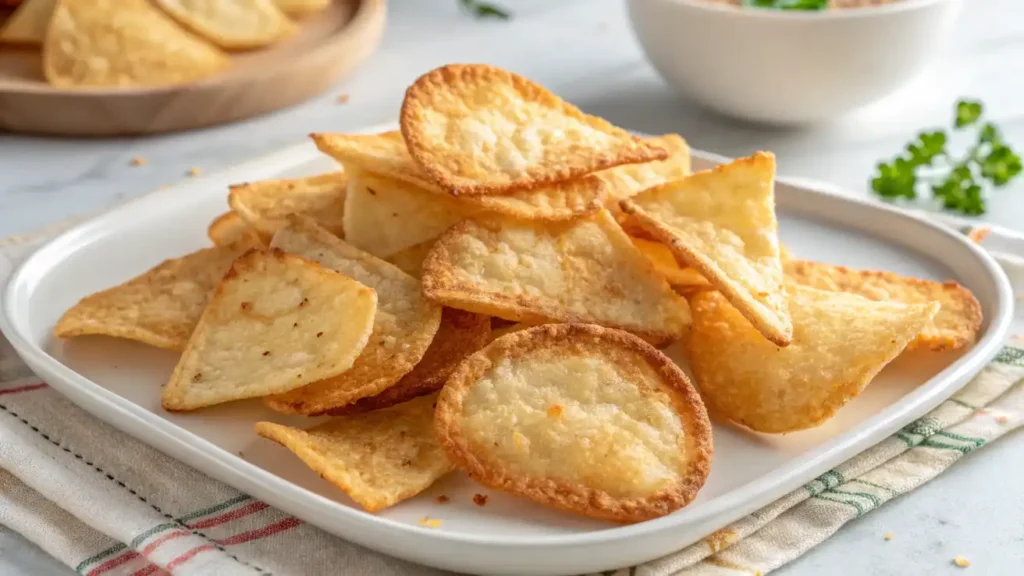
<point>430,522</point>
<point>480,499</point>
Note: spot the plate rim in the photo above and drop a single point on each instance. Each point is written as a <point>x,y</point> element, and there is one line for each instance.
<point>249,478</point>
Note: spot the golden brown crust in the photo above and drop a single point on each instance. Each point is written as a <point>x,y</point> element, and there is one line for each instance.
<point>422,96</point>
<point>459,335</point>
<point>619,347</point>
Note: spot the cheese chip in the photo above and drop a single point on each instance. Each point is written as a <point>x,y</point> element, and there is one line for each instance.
<point>681,278</point>
<point>840,342</point>
<point>266,204</point>
<point>722,223</point>
<point>230,228</point>
<point>403,328</point>
<point>28,24</point>
<point>384,216</point>
<point>159,307</point>
<point>954,326</point>
<point>123,43</point>
<point>275,323</point>
<point>590,420</point>
<point>459,335</point>
<point>629,179</point>
<point>378,459</point>
<point>232,24</point>
<point>476,129</point>
<point>581,271</point>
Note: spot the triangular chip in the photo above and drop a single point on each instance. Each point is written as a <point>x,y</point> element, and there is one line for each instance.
<point>275,323</point>
<point>955,325</point>
<point>28,24</point>
<point>840,342</point>
<point>266,204</point>
<point>583,418</point>
<point>629,179</point>
<point>459,335</point>
<point>378,459</point>
<point>403,329</point>
<point>386,154</point>
<point>301,7</point>
<point>722,223</point>
<point>159,307</point>
<point>410,260</point>
<point>477,129</point>
<point>232,24</point>
<point>680,277</point>
<point>123,43</point>
<point>384,215</point>
<point>229,228</point>
<point>581,271</point>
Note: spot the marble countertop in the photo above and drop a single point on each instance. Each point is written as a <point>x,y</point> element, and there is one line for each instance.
<point>584,50</point>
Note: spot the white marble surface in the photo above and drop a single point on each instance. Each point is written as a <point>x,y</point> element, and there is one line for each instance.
<point>583,50</point>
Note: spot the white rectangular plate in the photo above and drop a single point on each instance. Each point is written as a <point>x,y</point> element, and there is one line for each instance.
<point>120,381</point>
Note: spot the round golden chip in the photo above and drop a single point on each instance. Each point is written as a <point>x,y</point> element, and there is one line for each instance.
<point>587,419</point>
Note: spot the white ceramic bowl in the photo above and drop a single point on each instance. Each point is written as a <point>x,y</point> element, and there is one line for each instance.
<point>789,67</point>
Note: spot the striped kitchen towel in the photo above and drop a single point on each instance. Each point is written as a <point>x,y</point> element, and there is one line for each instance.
<point>102,502</point>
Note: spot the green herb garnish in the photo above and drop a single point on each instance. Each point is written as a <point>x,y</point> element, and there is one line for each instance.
<point>959,183</point>
<point>806,5</point>
<point>484,10</point>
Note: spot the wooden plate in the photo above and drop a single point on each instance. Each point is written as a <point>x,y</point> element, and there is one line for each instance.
<point>329,44</point>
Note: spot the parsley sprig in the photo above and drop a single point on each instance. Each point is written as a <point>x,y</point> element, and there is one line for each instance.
<point>807,5</point>
<point>958,183</point>
<point>484,9</point>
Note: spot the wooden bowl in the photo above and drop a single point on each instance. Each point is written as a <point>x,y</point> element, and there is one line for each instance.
<point>329,44</point>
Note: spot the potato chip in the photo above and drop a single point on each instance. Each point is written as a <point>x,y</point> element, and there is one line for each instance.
<point>476,129</point>
<point>581,271</point>
<point>627,180</point>
<point>378,458</point>
<point>28,24</point>
<point>265,205</point>
<point>159,307</point>
<point>722,223</point>
<point>384,154</point>
<point>587,419</point>
<point>301,7</point>
<point>840,342</point>
<point>123,43</point>
<point>954,326</point>
<point>275,323</point>
<point>402,331</point>
<point>410,260</point>
<point>459,335</point>
<point>232,24</point>
<point>664,261</point>
<point>384,215</point>
<point>229,228</point>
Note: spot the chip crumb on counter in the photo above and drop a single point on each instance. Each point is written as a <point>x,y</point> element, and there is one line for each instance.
<point>1001,419</point>
<point>442,499</point>
<point>342,99</point>
<point>961,561</point>
<point>480,499</point>
<point>194,171</point>
<point>430,522</point>
<point>138,161</point>
<point>888,536</point>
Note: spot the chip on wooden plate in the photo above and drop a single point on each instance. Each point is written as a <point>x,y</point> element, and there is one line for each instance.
<point>722,223</point>
<point>587,419</point>
<point>460,334</point>
<point>28,24</point>
<point>266,204</point>
<point>954,326</point>
<point>159,307</point>
<point>477,129</point>
<point>377,458</point>
<point>275,323</point>
<point>840,342</point>
<point>402,330</point>
<point>232,24</point>
<point>582,271</point>
<point>230,228</point>
<point>384,215</point>
<point>680,277</point>
<point>627,180</point>
<point>386,154</point>
<point>123,43</point>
